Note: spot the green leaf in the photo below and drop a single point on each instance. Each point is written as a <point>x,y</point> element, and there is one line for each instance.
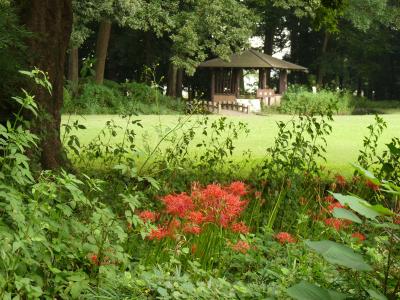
<point>367,174</point>
<point>308,291</point>
<point>339,254</point>
<point>386,225</point>
<point>358,205</point>
<point>382,210</point>
<point>376,295</point>
<point>342,213</point>
<point>163,292</point>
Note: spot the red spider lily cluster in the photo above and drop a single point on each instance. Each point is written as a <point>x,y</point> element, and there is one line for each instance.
<point>241,246</point>
<point>285,238</point>
<point>337,224</point>
<point>189,214</point>
<point>94,259</point>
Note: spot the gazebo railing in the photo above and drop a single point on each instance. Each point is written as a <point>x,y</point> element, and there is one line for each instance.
<point>215,107</point>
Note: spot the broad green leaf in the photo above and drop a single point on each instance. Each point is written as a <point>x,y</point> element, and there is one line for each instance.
<point>382,210</point>
<point>308,291</point>
<point>342,213</point>
<point>358,205</point>
<point>339,254</point>
<point>375,295</point>
<point>367,174</point>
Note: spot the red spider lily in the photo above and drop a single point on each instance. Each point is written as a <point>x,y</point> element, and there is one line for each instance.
<point>337,223</point>
<point>241,246</point>
<point>158,234</point>
<point>329,199</point>
<point>334,205</point>
<point>372,185</point>
<point>148,216</point>
<point>238,188</point>
<point>94,259</point>
<point>285,237</point>
<point>192,228</point>
<point>219,205</point>
<point>196,217</point>
<point>358,236</point>
<point>258,195</point>
<point>178,205</point>
<point>212,192</point>
<point>340,180</point>
<point>240,228</point>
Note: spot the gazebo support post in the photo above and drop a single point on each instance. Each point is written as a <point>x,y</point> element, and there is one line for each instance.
<point>262,78</point>
<point>212,85</point>
<point>238,77</point>
<point>282,81</point>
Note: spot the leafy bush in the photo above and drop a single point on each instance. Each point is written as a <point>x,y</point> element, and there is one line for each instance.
<point>375,220</point>
<point>54,237</point>
<point>115,98</point>
<point>300,99</point>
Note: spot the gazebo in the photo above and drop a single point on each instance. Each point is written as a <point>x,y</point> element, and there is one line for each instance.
<point>226,75</point>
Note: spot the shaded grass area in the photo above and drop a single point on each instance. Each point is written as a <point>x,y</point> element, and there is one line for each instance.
<point>343,144</point>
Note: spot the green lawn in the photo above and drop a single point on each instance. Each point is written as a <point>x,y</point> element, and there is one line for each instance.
<point>343,144</point>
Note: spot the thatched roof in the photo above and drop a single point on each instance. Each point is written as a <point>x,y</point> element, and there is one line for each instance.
<point>251,59</point>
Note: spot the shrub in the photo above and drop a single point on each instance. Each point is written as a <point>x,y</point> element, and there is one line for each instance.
<point>115,98</point>
<point>54,237</point>
<point>300,99</point>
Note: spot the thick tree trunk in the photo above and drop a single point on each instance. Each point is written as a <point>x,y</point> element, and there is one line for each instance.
<point>73,69</point>
<point>359,87</point>
<point>172,80</point>
<point>320,71</point>
<point>268,49</point>
<point>103,38</point>
<point>51,22</point>
<point>242,89</point>
<point>179,83</point>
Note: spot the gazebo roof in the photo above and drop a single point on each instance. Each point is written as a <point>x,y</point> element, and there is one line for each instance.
<point>251,59</point>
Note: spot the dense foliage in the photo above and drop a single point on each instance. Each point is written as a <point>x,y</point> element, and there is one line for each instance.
<point>136,231</point>
<point>124,98</point>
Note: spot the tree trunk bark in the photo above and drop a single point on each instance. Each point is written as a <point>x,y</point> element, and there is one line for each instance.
<point>73,69</point>
<point>241,81</point>
<point>320,71</point>
<point>51,24</point>
<point>179,83</point>
<point>268,49</point>
<point>103,38</point>
<point>172,79</point>
<point>359,87</point>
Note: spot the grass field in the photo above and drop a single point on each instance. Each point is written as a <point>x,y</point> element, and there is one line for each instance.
<point>343,144</point>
